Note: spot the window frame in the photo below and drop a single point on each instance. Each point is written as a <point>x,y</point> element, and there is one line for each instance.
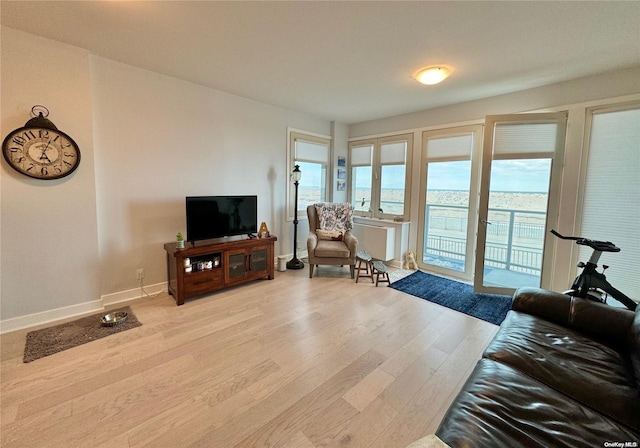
<point>376,173</point>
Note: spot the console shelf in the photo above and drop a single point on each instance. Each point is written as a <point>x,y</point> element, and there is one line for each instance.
<point>232,263</point>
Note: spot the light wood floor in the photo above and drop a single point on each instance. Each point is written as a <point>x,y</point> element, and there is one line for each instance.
<point>291,362</point>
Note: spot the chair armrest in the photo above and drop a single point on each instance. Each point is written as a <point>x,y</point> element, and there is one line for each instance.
<point>352,243</point>
<point>312,242</point>
<point>595,319</point>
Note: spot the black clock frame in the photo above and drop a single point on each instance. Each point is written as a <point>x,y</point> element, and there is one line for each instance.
<point>39,122</point>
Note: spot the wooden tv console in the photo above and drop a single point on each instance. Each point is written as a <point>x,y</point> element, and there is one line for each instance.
<point>232,263</point>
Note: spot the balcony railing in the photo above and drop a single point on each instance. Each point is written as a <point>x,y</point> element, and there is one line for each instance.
<point>515,238</point>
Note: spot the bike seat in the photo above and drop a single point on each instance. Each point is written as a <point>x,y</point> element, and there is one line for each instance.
<point>602,246</point>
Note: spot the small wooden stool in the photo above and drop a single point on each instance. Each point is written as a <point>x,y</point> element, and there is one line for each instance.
<point>362,256</point>
<point>380,269</point>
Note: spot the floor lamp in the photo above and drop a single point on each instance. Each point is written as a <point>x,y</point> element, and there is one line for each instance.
<point>294,263</point>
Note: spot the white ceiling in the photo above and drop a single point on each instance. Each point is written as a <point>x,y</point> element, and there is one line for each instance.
<point>348,61</point>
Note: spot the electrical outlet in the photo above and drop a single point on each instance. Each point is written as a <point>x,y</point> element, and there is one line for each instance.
<point>140,274</point>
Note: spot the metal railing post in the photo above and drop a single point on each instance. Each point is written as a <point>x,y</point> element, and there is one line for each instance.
<point>512,218</point>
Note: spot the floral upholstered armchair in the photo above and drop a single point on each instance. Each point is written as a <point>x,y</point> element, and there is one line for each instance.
<point>330,240</point>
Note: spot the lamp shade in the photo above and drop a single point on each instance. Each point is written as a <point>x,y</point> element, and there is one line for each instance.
<point>432,75</point>
<point>296,174</point>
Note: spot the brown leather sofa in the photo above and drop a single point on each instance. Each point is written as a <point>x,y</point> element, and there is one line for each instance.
<point>561,372</point>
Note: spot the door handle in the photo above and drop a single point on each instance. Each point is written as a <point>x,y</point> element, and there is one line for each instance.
<point>485,222</point>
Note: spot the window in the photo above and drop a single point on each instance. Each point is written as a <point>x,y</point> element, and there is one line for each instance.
<point>379,176</point>
<point>361,166</point>
<point>312,153</point>
<point>610,210</point>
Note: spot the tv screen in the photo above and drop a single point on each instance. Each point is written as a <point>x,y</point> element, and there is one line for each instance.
<point>219,216</point>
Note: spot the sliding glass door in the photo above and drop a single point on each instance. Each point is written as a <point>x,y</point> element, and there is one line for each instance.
<point>518,198</point>
<point>450,167</point>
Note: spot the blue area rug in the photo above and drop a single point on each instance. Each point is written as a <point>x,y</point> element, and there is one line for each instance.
<point>455,295</point>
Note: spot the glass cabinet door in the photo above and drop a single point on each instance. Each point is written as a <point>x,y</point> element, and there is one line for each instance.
<point>259,260</point>
<point>235,265</point>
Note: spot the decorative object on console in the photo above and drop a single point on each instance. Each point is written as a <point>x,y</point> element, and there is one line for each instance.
<point>263,232</point>
<point>179,241</point>
<point>294,263</point>
<point>40,150</point>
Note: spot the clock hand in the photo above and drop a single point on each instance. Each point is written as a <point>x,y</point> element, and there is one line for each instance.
<point>44,153</point>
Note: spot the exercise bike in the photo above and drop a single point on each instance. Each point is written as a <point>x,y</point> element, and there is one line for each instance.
<point>591,284</point>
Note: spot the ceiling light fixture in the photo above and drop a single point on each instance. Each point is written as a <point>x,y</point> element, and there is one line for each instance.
<point>432,75</point>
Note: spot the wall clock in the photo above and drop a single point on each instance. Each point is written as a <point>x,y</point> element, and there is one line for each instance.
<point>39,149</point>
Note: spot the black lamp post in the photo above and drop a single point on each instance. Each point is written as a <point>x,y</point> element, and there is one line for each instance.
<point>294,263</point>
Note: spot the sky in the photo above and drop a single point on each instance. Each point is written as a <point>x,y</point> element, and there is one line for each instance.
<point>531,176</point>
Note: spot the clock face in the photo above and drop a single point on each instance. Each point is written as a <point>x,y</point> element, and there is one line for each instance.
<point>41,153</point>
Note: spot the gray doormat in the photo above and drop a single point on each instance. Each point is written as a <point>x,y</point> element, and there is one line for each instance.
<point>45,342</point>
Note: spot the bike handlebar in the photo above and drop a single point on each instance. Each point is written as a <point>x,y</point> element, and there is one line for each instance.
<point>602,246</point>
<point>565,237</point>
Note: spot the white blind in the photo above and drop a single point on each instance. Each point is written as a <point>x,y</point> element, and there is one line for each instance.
<point>611,208</point>
<point>393,153</point>
<point>361,155</point>
<point>455,146</point>
<point>311,152</point>
<point>529,138</point>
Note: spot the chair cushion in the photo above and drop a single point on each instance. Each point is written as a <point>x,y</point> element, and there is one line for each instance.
<point>500,406</point>
<point>331,249</point>
<point>593,373</point>
<point>335,216</point>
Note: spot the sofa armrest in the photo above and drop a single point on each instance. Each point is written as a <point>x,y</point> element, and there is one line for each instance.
<point>602,321</point>
<point>549,305</point>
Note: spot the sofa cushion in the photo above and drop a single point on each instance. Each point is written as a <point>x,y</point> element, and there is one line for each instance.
<point>590,372</point>
<point>500,406</point>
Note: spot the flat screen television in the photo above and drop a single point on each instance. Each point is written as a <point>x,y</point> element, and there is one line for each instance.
<point>211,217</point>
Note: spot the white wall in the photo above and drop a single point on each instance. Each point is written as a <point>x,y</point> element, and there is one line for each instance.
<point>340,146</point>
<point>159,139</point>
<point>49,230</point>
<point>156,139</point>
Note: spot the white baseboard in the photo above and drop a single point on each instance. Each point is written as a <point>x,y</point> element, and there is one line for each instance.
<point>31,320</point>
<point>133,294</point>
<point>44,317</point>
